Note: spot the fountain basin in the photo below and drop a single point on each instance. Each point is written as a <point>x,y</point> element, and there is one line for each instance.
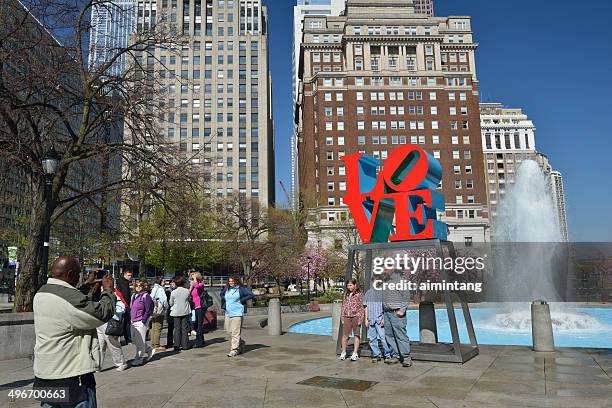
<point>574,327</point>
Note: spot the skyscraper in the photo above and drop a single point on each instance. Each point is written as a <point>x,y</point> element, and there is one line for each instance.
<point>302,9</point>
<point>508,138</point>
<point>424,7</point>
<point>112,24</point>
<point>558,193</point>
<point>216,91</point>
<point>380,76</point>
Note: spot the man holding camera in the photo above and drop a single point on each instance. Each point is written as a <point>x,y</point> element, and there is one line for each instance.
<point>67,351</point>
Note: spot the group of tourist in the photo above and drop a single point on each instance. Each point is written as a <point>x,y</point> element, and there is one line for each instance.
<point>75,326</point>
<point>384,314</point>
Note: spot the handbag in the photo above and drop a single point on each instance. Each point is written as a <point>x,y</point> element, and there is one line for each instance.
<point>115,327</point>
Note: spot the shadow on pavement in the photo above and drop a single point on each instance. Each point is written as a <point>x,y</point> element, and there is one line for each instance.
<point>252,347</point>
<point>16,384</point>
<point>216,340</point>
<point>163,354</point>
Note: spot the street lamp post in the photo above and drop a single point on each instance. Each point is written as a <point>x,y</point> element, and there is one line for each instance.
<point>50,164</point>
<point>308,278</point>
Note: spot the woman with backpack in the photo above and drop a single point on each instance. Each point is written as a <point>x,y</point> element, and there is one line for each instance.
<point>160,302</point>
<point>233,300</point>
<point>180,311</point>
<point>196,290</point>
<point>141,311</point>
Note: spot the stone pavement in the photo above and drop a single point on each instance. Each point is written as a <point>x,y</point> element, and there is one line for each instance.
<point>268,373</point>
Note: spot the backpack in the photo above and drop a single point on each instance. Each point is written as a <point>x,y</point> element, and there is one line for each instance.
<point>158,306</point>
<point>206,300</point>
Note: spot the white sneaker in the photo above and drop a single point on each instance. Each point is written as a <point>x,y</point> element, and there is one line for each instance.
<point>232,353</point>
<point>122,367</point>
<point>343,356</point>
<point>354,357</point>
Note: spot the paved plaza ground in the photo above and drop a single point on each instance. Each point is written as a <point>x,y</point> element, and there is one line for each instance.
<point>268,373</point>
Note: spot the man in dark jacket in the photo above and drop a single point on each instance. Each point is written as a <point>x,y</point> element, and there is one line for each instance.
<point>123,285</point>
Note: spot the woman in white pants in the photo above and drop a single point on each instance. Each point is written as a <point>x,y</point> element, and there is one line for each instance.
<point>112,342</point>
<point>141,311</point>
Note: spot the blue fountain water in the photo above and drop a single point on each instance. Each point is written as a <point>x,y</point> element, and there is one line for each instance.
<point>490,326</point>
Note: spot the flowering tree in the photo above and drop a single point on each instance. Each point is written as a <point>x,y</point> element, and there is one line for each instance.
<point>319,264</point>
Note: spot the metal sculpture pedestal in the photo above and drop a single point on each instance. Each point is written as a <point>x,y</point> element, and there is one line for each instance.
<point>454,352</point>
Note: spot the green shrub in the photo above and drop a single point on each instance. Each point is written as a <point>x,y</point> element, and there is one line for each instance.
<point>329,297</point>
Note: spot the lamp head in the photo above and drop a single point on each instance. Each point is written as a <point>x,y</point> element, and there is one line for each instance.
<point>50,162</point>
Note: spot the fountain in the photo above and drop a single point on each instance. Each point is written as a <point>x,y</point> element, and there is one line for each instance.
<point>526,241</point>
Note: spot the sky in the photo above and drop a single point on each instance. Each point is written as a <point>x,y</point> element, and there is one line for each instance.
<point>553,58</point>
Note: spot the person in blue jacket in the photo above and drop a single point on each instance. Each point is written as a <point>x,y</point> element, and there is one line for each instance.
<point>234,297</point>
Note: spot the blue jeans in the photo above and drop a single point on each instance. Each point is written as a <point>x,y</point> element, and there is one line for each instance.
<point>377,332</point>
<point>397,335</point>
<point>90,402</point>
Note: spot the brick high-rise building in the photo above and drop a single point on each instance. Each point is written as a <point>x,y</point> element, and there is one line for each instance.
<point>217,91</point>
<point>380,76</point>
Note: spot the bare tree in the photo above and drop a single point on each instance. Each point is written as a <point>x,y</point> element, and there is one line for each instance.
<point>51,97</point>
<point>347,235</point>
<point>282,247</point>
<point>242,224</point>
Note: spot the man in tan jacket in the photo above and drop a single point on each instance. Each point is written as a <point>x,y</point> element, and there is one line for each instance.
<point>67,352</point>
